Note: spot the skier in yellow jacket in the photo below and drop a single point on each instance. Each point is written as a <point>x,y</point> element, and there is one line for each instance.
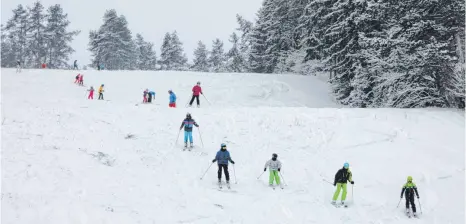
<point>101,92</point>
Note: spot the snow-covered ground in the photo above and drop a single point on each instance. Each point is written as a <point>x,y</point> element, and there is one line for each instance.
<point>66,159</point>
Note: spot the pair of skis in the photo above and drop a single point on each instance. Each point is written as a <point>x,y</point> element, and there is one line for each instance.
<point>273,186</point>
<point>221,187</point>
<point>189,148</point>
<point>410,215</point>
<point>339,205</point>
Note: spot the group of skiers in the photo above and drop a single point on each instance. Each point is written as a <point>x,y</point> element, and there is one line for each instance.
<point>147,96</point>
<point>91,92</point>
<point>79,79</point>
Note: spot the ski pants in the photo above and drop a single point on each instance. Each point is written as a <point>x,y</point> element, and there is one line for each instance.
<point>172,105</point>
<point>91,95</point>
<point>188,135</point>
<point>410,200</point>
<point>225,170</point>
<point>274,176</point>
<point>192,100</point>
<point>101,96</point>
<point>337,192</point>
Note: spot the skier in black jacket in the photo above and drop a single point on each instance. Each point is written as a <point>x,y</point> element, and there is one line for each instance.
<point>409,189</point>
<point>341,178</point>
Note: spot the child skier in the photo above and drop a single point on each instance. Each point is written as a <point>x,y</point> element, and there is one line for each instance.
<point>81,82</point>
<point>77,78</point>
<point>222,158</point>
<point>188,124</point>
<point>144,94</point>
<point>101,92</point>
<point>91,93</point>
<point>196,91</point>
<point>150,95</point>
<point>274,166</point>
<point>172,102</point>
<point>341,178</point>
<point>409,189</point>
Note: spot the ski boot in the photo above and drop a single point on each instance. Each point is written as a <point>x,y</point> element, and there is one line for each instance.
<point>334,203</point>
<point>186,145</point>
<point>415,214</point>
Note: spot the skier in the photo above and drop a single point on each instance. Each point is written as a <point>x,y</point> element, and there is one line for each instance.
<point>172,99</point>
<point>75,66</point>
<point>81,82</point>
<point>274,166</point>
<point>409,189</point>
<point>101,92</point>
<point>144,94</point>
<point>91,93</point>
<point>222,158</point>
<point>151,94</point>
<point>196,91</point>
<point>18,66</point>
<point>341,178</point>
<point>77,78</point>
<point>188,124</point>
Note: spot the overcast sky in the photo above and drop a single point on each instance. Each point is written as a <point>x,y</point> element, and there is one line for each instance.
<point>194,20</point>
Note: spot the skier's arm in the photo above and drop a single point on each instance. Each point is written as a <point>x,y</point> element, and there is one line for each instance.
<point>279,165</point>
<point>182,124</point>
<point>200,90</point>
<point>350,177</point>
<point>195,124</point>
<point>229,158</point>
<point>336,177</point>
<point>417,193</point>
<point>403,191</point>
<point>266,165</point>
<point>216,158</point>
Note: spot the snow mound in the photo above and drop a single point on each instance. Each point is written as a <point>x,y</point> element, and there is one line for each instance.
<point>66,159</point>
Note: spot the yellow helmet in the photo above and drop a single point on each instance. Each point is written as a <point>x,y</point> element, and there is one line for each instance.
<point>410,178</point>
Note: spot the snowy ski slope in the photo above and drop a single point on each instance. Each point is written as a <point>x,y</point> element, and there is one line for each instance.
<point>66,159</point>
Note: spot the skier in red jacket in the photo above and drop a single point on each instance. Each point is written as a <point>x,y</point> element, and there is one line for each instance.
<point>196,91</point>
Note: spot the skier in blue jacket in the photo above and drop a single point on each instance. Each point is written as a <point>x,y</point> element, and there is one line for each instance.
<point>172,99</point>
<point>222,158</point>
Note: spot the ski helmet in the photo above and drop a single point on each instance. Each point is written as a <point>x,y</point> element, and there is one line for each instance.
<point>274,155</point>
<point>188,115</point>
<point>410,178</point>
<point>346,165</point>
<point>199,83</point>
<point>223,145</point>
<point>169,90</point>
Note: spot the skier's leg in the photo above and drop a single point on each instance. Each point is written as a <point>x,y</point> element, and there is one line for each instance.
<point>343,195</point>
<point>271,176</point>
<point>277,177</point>
<point>185,138</point>
<point>407,201</point>
<point>337,192</point>
<point>413,206</point>
<point>197,100</point>
<point>192,100</point>
<point>190,136</point>
<point>219,172</point>
<point>227,174</point>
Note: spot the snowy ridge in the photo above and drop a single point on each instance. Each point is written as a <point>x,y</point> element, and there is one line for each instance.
<point>69,160</point>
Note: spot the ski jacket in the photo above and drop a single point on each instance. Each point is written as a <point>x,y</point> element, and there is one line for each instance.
<point>273,165</point>
<point>144,93</point>
<point>409,189</point>
<point>223,157</point>
<point>197,90</point>
<point>91,90</point>
<point>101,89</point>
<point>172,97</point>
<point>343,175</point>
<point>188,124</point>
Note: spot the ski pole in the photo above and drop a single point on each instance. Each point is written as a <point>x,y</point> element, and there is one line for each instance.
<point>200,136</point>
<point>177,137</point>
<point>206,171</point>
<point>352,192</point>
<point>399,202</point>
<point>234,173</point>
<point>260,175</point>
<point>206,99</point>
<point>327,181</point>
<point>420,207</point>
<point>187,103</point>
<point>284,182</point>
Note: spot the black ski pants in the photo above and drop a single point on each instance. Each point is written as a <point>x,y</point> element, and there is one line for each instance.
<point>192,100</point>
<point>225,169</point>
<point>410,200</point>
<point>101,96</point>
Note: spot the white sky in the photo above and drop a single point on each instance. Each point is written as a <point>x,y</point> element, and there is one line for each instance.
<point>194,20</point>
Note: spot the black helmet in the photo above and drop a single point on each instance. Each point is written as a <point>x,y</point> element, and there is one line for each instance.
<point>274,155</point>
<point>199,83</point>
<point>188,115</point>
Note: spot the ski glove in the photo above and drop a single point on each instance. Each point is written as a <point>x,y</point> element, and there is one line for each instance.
<point>352,182</point>
<point>233,162</point>
<point>265,169</point>
<point>213,161</point>
<point>278,169</point>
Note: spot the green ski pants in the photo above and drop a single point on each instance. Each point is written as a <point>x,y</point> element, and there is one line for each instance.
<point>337,192</point>
<point>274,175</point>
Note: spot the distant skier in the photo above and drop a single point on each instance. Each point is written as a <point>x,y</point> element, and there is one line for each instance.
<point>222,158</point>
<point>341,178</point>
<point>101,92</point>
<point>196,91</point>
<point>150,95</point>
<point>91,93</point>
<point>188,124</point>
<point>75,64</point>
<point>144,95</point>
<point>81,81</point>
<point>274,165</point>
<point>172,102</point>
<point>409,189</point>
<point>18,66</point>
<point>77,78</point>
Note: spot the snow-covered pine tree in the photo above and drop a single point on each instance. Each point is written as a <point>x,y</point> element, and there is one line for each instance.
<point>17,29</point>
<point>244,45</point>
<point>235,61</point>
<point>8,56</point>
<point>165,49</point>
<point>177,55</point>
<point>57,38</point>
<point>258,37</point>
<point>36,42</point>
<point>146,56</point>
<point>200,62</point>
<point>112,44</point>
<point>217,57</point>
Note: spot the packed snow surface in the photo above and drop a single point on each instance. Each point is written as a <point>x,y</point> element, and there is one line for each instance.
<point>66,159</point>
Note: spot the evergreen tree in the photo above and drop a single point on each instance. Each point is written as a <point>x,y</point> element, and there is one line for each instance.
<point>200,62</point>
<point>112,44</point>
<point>146,56</point>
<point>177,56</point>
<point>165,61</point>
<point>217,57</point>
<point>258,37</point>
<point>244,45</point>
<point>36,41</point>
<point>57,38</point>
<point>235,61</point>
<point>16,39</point>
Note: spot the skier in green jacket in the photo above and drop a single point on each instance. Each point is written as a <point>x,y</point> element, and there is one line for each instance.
<point>409,189</point>
<point>341,178</point>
